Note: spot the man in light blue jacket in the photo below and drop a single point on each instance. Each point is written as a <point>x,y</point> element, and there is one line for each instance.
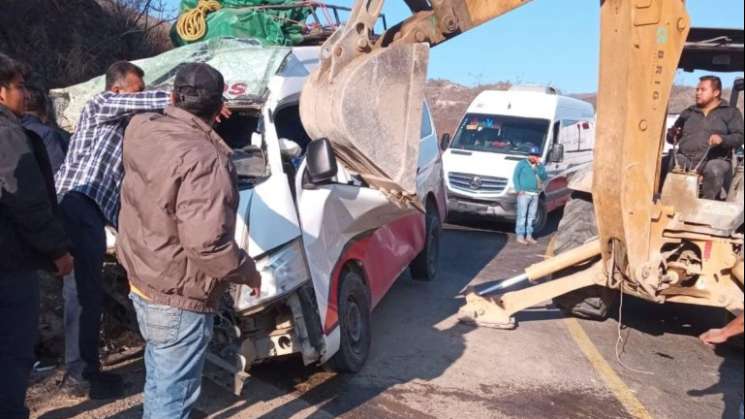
<point>529,176</point>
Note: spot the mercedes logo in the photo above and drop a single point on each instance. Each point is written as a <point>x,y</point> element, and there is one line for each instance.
<point>476,182</point>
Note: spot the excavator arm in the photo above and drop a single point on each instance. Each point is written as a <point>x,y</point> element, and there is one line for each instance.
<point>371,86</point>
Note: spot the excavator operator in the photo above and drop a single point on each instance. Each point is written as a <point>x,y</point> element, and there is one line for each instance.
<point>706,134</point>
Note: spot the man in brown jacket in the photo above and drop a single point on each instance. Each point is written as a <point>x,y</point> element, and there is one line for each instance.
<point>176,236</point>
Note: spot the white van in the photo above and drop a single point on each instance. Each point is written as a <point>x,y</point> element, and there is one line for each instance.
<point>499,130</point>
<point>328,246</point>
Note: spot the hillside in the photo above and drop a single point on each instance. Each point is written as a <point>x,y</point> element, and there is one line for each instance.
<point>69,41</point>
<point>450,100</point>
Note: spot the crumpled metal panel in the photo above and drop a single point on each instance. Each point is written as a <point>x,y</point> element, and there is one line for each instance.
<point>246,66</point>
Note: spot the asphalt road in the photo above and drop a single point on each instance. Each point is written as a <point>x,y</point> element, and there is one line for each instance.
<point>426,365</point>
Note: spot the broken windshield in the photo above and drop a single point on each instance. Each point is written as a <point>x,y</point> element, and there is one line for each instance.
<point>501,134</point>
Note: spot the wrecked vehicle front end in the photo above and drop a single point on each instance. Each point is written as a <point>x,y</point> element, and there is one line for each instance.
<point>296,232</point>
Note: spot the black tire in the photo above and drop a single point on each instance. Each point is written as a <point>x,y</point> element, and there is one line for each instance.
<point>354,322</point>
<point>575,229</point>
<point>541,218</point>
<point>426,266</point>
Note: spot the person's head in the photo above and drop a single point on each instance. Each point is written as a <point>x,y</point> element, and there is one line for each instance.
<point>36,102</point>
<point>708,91</point>
<point>198,89</point>
<point>12,85</point>
<point>534,155</point>
<point>124,77</point>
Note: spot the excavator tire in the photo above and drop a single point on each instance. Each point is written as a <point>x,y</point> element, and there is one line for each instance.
<point>576,228</point>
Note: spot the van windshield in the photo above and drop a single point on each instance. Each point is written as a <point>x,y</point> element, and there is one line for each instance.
<point>501,134</point>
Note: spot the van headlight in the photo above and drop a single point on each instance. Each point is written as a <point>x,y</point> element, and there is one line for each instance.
<point>282,271</point>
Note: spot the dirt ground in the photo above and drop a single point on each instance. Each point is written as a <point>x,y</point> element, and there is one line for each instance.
<point>424,364</point>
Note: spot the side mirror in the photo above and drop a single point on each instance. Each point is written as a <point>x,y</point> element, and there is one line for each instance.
<point>289,149</point>
<point>321,162</point>
<point>445,142</point>
<point>557,153</point>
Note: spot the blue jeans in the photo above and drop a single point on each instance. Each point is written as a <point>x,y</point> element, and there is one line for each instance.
<point>175,350</point>
<point>83,291</point>
<point>527,209</point>
<point>19,323</point>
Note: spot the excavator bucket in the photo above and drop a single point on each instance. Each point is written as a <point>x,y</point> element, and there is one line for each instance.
<point>367,101</point>
<point>371,111</point>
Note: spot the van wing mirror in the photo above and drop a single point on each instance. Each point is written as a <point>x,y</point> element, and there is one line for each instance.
<point>321,162</point>
<point>445,142</point>
<point>557,153</point>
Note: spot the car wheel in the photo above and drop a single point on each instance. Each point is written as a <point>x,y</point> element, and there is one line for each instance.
<point>575,229</point>
<point>426,266</point>
<point>354,322</point>
<point>541,218</point>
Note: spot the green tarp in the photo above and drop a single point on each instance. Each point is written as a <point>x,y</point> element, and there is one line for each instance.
<point>241,19</point>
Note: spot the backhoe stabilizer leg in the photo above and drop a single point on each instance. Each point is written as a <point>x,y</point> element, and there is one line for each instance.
<point>497,312</point>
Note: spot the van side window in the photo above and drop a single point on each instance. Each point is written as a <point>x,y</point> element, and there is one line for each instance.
<point>426,122</point>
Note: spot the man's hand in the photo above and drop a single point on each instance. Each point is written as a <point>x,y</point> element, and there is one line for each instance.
<point>224,114</point>
<point>673,134</point>
<point>255,285</point>
<point>64,265</point>
<point>716,140</point>
<point>714,337</point>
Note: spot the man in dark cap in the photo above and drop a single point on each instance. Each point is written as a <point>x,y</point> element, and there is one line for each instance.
<point>176,238</point>
<point>529,176</point>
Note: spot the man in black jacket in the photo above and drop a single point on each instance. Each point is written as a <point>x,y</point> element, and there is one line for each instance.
<point>706,134</point>
<point>31,239</point>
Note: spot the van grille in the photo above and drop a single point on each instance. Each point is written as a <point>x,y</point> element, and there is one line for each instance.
<point>475,183</point>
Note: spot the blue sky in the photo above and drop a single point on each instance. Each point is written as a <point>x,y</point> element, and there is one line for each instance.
<point>545,42</point>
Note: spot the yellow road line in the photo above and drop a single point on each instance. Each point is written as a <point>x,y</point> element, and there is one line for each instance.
<point>609,376</point>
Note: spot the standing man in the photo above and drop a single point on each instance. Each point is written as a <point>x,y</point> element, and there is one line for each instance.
<point>36,119</point>
<point>718,336</point>
<point>176,239</point>
<point>31,238</point>
<point>528,178</point>
<point>88,183</point>
<point>706,135</point>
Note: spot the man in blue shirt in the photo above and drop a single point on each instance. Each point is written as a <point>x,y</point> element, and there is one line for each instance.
<point>88,184</point>
<point>529,176</point>
<point>36,119</point>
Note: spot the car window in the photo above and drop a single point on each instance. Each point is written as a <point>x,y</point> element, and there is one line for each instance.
<point>426,122</point>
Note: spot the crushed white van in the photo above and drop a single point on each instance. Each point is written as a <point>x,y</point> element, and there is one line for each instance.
<point>498,130</point>
<point>328,246</point>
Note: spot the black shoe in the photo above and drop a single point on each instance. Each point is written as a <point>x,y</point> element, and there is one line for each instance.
<point>74,387</point>
<point>105,385</point>
<point>104,377</point>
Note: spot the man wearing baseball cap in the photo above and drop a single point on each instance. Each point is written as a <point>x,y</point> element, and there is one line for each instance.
<point>176,236</point>
<point>528,178</point>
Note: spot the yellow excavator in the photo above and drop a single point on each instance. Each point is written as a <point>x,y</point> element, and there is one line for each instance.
<point>623,232</point>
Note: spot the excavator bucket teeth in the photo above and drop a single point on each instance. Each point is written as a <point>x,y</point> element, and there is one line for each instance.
<point>371,111</point>
<point>485,312</point>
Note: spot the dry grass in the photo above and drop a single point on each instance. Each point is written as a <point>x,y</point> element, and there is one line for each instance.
<point>69,41</point>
